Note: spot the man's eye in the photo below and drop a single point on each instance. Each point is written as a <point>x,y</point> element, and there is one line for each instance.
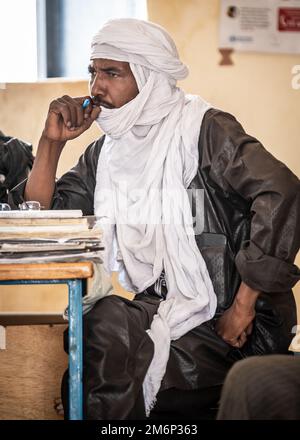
<point>113,74</point>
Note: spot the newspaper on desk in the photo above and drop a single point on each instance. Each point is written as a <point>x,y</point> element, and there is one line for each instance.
<point>55,236</point>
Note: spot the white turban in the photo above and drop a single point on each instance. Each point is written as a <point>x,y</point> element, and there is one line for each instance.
<point>139,42</point>
<point>149,157</point>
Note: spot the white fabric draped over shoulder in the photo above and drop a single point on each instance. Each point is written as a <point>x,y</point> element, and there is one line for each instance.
<point>149,157</point>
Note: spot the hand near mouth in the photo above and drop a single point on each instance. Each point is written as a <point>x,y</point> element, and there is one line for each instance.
<point>68,118</point>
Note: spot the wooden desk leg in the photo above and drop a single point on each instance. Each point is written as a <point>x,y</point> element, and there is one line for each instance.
<point>75,349</point>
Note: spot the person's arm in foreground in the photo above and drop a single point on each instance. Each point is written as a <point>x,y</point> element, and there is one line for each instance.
<point>66,120</point>
<point>241,165</point>
<point>236,323</point>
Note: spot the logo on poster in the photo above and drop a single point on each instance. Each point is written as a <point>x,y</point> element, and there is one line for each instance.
<point>289,19</point>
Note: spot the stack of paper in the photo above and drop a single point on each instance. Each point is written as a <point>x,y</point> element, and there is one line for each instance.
<point>43,236</point>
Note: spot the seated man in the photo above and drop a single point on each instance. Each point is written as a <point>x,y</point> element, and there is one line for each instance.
<point>204,298</point>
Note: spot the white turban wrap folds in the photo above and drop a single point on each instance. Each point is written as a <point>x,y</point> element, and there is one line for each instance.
<point>149,157</point>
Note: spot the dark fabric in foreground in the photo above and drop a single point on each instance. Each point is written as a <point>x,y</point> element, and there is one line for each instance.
<point>262,388</point>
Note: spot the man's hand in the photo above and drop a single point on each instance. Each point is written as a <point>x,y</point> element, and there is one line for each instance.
<point>67,119</point>
<point>236,323</point>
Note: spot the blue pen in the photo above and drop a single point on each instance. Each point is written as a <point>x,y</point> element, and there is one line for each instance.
<point>86,103</point>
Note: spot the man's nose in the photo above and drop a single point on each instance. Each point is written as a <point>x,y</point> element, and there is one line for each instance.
<point>98,85</point>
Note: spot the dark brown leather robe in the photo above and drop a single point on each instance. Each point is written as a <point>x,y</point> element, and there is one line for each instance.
<point>251,233</point>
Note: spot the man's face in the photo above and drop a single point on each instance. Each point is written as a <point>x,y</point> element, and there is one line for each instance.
<point>112,83</point>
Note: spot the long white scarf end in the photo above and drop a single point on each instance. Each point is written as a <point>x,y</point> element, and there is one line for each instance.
<point>149,395</point>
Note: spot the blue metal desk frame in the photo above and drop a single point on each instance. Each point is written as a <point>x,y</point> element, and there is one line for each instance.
<point>75,340</point>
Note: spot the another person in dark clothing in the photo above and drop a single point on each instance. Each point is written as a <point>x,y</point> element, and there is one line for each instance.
<point>16,161</point>
<point>205,297</point>
<point>262,388</point>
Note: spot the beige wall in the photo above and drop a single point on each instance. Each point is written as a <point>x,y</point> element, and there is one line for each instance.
<point>256,89</point>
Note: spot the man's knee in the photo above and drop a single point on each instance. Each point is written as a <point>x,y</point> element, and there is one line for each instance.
<point>109,307</point>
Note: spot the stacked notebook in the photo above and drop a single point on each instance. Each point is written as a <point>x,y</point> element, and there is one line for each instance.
<point>31,236</point>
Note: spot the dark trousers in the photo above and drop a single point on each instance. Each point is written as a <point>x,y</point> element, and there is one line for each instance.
<point>117,352</point>
<point>262,388</point>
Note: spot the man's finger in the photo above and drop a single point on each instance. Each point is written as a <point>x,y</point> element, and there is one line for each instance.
<point>249,329</point>
<point>233,342</point>
<point>69,103</point>
<point>61,110</point>
<point>242,338</point>
<point>95,112</point>
<point>88,122</point>
<point>86,105</point>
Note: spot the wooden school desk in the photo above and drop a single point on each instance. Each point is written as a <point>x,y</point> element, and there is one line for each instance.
<point>71,274</point>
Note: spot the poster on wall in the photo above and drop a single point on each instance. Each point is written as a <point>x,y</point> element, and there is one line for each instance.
<point>260,25</point>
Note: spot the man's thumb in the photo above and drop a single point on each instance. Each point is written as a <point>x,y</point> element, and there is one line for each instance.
<point>95,113</point>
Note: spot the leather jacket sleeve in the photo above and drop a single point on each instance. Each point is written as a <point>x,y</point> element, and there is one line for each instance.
<point>75,189</point>
<point>16,161</point>
<point>238,163</point>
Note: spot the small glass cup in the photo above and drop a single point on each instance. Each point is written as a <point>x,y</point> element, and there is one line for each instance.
<point>30,205</point>
<point>4,207</point>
